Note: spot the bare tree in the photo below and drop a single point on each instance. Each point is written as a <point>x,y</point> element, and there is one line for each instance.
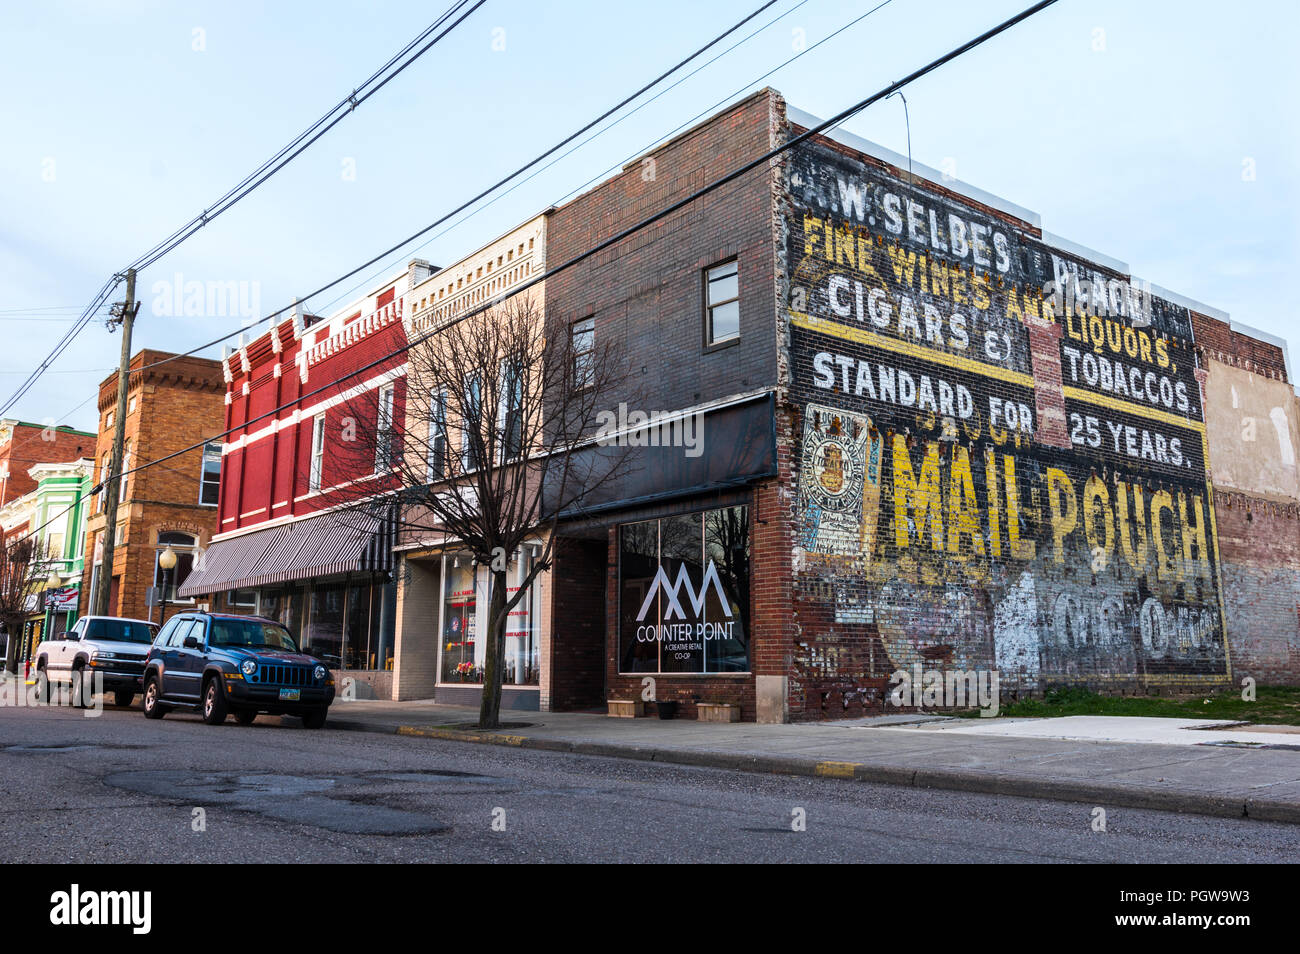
<point>490,442</point>
<point>21,560</point>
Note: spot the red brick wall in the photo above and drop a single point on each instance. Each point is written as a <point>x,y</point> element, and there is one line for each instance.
<point>577,656</point>
<point>32,444</point>
<point>1216,339</point>
<point>1259,542</point>
<point>1259,533</point>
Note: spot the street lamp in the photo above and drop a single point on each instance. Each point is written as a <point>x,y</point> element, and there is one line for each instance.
<point>52,582</point>
<point>166,560</point>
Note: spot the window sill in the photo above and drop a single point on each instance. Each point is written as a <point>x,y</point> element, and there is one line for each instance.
<point>722,345</point>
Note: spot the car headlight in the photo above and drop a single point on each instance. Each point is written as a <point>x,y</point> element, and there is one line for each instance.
<point>100,655</point>
<point>319,673</point>
<point>248,667</point>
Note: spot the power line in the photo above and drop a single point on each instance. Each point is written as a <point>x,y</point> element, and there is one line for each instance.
<point>647,148</point>
<point>612,240</point>
<point>318,129</point>
<point>254,179</point>
<point>489,190</point>
<point>596,135</point>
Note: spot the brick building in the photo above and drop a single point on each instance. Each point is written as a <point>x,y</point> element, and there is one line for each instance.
<point>442,592</point>
<point>1253,420</point>
<point>295,541</point>
<point>53,515</point>
<point>23,445</point>
<point>882,421</point>
<point>988,445</point>
<point>172,403</point>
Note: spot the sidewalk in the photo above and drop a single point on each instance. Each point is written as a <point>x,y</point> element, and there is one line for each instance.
<point>1221,775</point>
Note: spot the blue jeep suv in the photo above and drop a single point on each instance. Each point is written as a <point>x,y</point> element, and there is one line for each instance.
<point>219,664</point>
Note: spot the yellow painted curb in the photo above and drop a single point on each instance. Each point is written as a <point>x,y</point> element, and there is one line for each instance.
<point>835,769</point>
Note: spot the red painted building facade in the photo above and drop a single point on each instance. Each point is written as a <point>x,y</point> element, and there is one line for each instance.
<point>297,540</point>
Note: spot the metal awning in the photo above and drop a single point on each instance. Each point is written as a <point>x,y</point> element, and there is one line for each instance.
<point>340,542</point>
<point>223,561</point>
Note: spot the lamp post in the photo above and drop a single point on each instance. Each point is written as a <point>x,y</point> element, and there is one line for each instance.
<point>52,582</point>
<point>167,561</point>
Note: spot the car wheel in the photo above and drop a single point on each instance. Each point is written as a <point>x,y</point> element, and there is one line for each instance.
<point>123,697</point>
<point>42,685</point>
<point>214,703</point>
<point>153,707</point>
<point>245,716</point>
<point>314,718</point>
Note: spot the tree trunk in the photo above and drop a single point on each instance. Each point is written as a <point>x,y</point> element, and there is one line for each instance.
<point>13,648</point>
<point>489,710</point>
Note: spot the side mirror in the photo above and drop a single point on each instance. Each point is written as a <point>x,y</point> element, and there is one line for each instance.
<point>190,642</point>
<point>70,634</point>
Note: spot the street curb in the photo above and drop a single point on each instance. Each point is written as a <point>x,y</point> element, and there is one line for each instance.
<point>957,780</point>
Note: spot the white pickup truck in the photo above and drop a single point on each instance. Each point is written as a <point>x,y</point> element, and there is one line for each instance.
<point>110,645</point>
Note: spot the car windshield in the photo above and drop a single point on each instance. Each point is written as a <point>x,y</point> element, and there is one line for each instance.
<point>251,634</point>
<point>121,630</point>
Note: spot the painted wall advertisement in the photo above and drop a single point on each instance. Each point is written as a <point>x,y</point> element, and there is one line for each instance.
<point>939,520</point>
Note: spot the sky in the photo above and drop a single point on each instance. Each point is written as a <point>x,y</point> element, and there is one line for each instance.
<point>1160,133</point>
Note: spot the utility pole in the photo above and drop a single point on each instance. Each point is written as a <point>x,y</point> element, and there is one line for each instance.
<point>124,312</point>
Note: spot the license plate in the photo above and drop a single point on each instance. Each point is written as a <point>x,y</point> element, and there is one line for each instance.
<point>290,695</point>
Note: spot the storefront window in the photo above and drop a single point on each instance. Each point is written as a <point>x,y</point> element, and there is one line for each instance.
<point>521,630</point>
<point>367,643</point>
<point>356,653</point>
<point>463,652</point>
<point>726,548</point>
<point>324,636</point>
<point>347,625</point>
<point>684,593</point>
<point>459,603</point>
<point>681,642</point>
<point>638,565</point>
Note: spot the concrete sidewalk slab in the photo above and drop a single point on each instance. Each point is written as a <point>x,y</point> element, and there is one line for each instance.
<point>1103,729</point>
<point>1221,780</point>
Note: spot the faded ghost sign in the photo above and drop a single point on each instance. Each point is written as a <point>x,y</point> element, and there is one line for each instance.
<point>938,519</point>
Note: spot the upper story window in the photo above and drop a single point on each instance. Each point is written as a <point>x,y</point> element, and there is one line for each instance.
<point>384,432</point>
<point>437,440</point>
<point>722,303</point>
<point>510,410</point>
<point>124,483</point>
<point>472,446</point>
<point>103,483</point>
<point>210,475</point>
<point>317,452</point>
<point>582,344</point>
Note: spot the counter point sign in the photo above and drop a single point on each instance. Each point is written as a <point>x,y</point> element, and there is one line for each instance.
<point>671,591</point>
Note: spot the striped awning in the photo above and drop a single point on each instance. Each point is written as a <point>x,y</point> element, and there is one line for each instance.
<point>338,542</point>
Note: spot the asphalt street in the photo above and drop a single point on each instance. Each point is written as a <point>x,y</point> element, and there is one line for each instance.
<point>123,789</point>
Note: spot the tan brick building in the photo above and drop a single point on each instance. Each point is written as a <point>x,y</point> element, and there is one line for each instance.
<point>170,406</point>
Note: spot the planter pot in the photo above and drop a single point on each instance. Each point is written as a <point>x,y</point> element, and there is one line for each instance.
<point>717,712</point>
<point>626,708</point>
<point>666,710</point>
